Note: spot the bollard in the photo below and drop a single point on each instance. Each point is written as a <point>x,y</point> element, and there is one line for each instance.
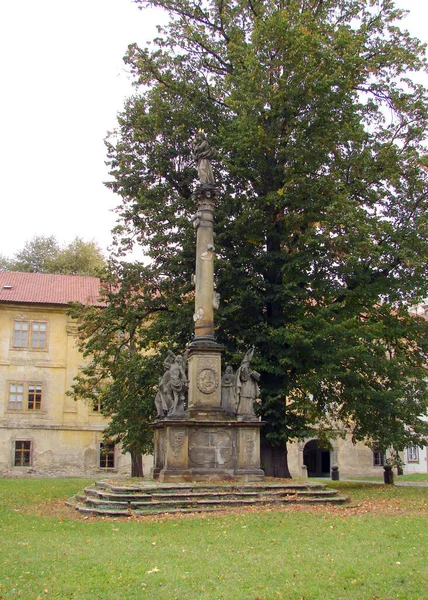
<point>335,473</point>
<point>305,472</point>
<point>388,475</point>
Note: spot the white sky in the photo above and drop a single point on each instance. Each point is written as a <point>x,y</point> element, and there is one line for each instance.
<point>63,83</point>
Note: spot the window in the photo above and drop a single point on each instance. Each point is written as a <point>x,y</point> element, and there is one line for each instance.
<point>30,334</point>
<point>378,459</point>
<point>413,454</point>
<point>25,396</point>
<point>38,334</point>
<point>107,456</point>
<point>96,403</point>
<point>34,397</point>
<point>22,454</point>
<point>16,395</point>
<point>20,334</point>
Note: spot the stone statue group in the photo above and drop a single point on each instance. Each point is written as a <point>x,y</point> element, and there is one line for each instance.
<point>238,390</point>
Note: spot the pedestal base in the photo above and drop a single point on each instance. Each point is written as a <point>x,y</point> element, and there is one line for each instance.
<point>189,450</point>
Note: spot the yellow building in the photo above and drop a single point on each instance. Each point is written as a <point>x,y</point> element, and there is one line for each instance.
<point>42,430</point>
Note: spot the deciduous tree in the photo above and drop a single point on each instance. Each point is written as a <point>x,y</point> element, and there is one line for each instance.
<point>322,222</point>
<point>37,255</point>
<point>45,255</point>
<point>79,258</point>
<point>123,352</point>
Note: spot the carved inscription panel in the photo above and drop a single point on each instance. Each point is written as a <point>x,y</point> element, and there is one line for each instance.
<point>211,448</point>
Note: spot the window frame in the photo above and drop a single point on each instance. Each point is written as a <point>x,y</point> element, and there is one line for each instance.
<point>111,454</point>
<point>14,393</point>
<point>95,405</point>
<point>35,396</point>
<point>22,452</point>
<point>378,458</point>
<point>32,331</point>
<point>25,402</point>
<point>415,450</point>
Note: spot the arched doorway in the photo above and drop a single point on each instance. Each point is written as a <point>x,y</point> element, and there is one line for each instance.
<point>317,459</point>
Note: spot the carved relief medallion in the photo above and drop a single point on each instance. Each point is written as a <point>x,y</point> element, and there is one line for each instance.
<point>207,381</point>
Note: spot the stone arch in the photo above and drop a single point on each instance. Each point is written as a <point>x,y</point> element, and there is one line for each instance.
<point>318,458</point>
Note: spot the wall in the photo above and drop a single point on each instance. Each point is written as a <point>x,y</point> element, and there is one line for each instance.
<point>65,435</point>
<point>353,460</point>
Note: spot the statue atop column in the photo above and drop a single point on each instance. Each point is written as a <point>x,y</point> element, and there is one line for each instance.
<point>203,154</point>
<point>215,434</point>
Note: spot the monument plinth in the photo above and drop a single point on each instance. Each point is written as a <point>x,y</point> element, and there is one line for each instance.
<point>217,436</point>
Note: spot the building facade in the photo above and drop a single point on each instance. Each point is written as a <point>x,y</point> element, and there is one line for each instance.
<point>43,431</point>
<point>310,458</point>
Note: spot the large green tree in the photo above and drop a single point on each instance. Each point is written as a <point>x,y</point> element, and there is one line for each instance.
<point>45,255</point>
<point>322,219</point>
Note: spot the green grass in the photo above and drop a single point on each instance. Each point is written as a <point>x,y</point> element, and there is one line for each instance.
<point>413,477</point>
<point>397,478</point>
<point>371,549</point>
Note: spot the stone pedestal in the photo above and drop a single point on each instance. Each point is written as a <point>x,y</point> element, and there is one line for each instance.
<point>196,450</point>
<point>204,378</point>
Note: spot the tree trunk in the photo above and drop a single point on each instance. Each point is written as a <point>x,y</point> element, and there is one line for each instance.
<point>136,464</point>
<point>274,460</point>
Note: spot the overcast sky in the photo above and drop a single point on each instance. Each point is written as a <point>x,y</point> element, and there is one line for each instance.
<point>63,82</point>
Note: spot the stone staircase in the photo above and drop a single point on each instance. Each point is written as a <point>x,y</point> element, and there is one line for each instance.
<point>149,498</point>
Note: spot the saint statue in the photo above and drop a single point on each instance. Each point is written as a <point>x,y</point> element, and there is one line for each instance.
<point>203,154</point>
<point>178,383</point>
<point>228,399</point>
<point>172,389</point>
<point>246,388</point>
<point>163,400</point>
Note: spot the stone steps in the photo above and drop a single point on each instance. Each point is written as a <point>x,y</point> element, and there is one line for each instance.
<point>111,499</point>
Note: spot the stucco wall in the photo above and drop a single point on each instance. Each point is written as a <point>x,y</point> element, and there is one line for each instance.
<point>353,460</point>
<point>65,435</point>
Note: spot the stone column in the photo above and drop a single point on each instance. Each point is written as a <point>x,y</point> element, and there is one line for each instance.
<point>204,352</point>
<point>203,317</point>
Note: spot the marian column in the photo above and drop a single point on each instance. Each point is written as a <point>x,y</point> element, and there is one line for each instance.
<point>204,352</point>
<point>208,441</point>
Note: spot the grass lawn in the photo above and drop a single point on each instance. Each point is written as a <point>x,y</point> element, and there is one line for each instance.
<point>397,478</point>
<point>413,477</point>
<point>371,549</point>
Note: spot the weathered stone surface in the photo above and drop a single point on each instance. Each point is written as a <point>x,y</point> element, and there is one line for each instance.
<point>206,450</point>
<point>211,448</point>
<point>205,379</point>
<point>153,498</point>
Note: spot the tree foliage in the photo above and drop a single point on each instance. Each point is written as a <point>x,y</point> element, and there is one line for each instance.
<point>322,224</point>
<point>121,370</point>
<point>37,255</point>
<point>45,255</point>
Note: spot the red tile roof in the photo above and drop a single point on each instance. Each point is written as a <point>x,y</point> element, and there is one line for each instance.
<point>38,288</point>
